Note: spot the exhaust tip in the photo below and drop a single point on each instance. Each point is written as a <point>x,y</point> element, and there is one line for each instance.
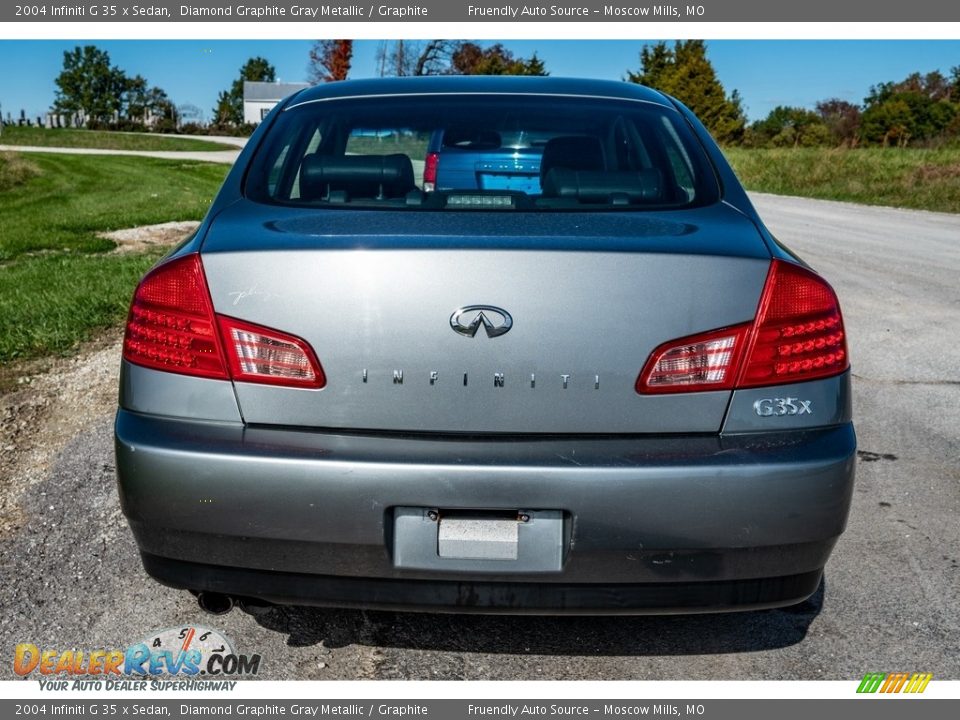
<point>214,603</point>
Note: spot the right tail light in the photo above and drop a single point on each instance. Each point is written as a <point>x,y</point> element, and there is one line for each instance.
<point>797,335</point>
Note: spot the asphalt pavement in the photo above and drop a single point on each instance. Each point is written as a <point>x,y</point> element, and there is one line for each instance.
<point>891,598</point>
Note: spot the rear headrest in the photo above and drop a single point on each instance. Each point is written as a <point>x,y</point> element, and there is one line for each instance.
<point>574,152</point>
<point>591,186</point>
<point>365,176</point>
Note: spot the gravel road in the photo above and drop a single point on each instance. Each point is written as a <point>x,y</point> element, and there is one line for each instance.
<point>891,600</point>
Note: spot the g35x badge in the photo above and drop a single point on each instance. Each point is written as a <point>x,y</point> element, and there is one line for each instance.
<point>778,407</point>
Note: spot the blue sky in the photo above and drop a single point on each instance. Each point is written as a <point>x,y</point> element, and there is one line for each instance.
<point>767,73</point>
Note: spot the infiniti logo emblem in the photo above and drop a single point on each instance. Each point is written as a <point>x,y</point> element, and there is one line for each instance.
<point>467,320</point>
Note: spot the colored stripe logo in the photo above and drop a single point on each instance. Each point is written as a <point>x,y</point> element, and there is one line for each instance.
<point>898,682</point>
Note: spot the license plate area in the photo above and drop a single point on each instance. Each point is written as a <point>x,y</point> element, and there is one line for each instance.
<point>478,540</point>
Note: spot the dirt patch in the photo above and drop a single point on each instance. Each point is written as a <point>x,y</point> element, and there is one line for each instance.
<point>15,170</point>
<point>145,237</point>
<point>48,404</point>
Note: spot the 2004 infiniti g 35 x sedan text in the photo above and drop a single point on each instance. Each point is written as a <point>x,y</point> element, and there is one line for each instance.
<point>485,344</point>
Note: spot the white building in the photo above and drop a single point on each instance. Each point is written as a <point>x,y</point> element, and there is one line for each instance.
<point>260,97</point>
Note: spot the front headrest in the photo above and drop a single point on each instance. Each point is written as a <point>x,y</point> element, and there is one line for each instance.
<point>366,176</point>
<point>591,186</point>
<point>574,152</point>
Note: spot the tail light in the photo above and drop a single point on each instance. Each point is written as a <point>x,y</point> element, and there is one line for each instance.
<point>171,324</point>
<point>700,362</point>
<point>258,354</point>
<point>430,172</point>
<point>172,327</point>
<point>797,335</point>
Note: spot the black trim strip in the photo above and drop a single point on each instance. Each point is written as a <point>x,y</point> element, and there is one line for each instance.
<point>486,597</point>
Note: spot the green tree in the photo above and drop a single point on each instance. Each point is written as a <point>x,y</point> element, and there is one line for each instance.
<point>685,72</point>
<point>933,85</point>
<point>535,66</point>
<point>141,103</point>
<point>229,107</point>
<point>223,111</point>
<point>89,85</point>
<point>790,127</point>
<point>134,100</point>
<point>955,84</point>
<point>657,63</point>
<point>161,108</point>
<point>471,59</point>
<point>888,122</point>
<point>918,108</point>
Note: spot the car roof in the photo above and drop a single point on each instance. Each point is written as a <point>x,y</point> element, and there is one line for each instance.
<point>464,84</point>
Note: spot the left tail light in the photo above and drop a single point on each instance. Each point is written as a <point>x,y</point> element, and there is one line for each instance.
<point>172,327</point>
<point>171,324</point>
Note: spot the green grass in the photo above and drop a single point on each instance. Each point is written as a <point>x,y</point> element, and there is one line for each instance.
<point>103,140</point>
<point>58,284</point>
<point>910,178</point>
<point>75,196</point>
<point>51,302</point>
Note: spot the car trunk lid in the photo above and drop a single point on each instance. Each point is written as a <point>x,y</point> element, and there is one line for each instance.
<point>408,318</point>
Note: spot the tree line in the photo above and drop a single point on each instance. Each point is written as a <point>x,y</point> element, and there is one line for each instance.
<point>93,92</point>
<point>921,109</point>
<point>917,110</point>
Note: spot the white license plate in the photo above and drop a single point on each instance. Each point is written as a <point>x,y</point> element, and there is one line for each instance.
<point>478,538</point>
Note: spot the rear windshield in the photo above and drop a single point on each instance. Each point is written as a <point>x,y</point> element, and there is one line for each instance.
<point>481,152</point>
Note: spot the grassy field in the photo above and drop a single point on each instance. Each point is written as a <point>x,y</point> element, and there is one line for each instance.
<point>59,283</point>
<point>103,140</point>
<point>415,147</point>
<point>910,178</point>
<point>71,197</point>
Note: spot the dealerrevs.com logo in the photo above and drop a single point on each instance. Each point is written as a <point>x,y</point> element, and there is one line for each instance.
<point>896,682</point>
<point>185,652</point>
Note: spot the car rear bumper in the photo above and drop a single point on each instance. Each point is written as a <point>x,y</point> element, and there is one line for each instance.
<point>695,523</point>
